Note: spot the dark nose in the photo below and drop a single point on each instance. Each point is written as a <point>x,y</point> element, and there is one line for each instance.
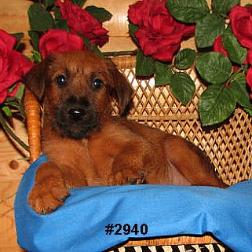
<point>76,114</point>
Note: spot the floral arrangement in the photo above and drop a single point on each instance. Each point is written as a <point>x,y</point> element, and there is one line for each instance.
<point>223,59</point>
<point>58,26</point>
<point>13,67</point>
<point>55,26</point>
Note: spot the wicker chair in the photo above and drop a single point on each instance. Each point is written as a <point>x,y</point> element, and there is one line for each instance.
<point>229,146</point>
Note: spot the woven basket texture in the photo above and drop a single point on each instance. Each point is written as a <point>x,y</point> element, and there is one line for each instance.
<point>229,145</point>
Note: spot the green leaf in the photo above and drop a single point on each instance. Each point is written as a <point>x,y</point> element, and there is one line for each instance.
<point>96,50</point>
<point>185,58</point>
<point>132,29</point>
<point>236,52</point>
<point>56,12</point>
<point>87,43</point>
<point>49,3</point>
<point>61,24</point>
<point>207,29</point>
<point>79,2</point>
<point>34,39</point>
<point>39,18</point>
<point>20,92</point>
<point>238,87</point>
<point>144,65</point>
<point>7,111</point>
<point>182,86</point>
<point>188,11</point>
<point>11,89</point>
<point>99,13</point>
<point>216,104</point>
<point>213,67</point>
<point>18,36</point>
<point>36,57</point>
<point>92,47</point>
<point>222,7</point>
<point>249,111</point>
<point>163,73</point>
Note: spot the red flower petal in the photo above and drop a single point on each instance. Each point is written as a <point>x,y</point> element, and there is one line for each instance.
<point>80,21</point>
<point>249,57</point>
<point>241,24</point>
<point>159,34</point>
<point>219,47</point>
<point>249,77</point>
<point>13,65</point>
<point>7,41</point>
<point>55,41</point>
<point>3,96</point>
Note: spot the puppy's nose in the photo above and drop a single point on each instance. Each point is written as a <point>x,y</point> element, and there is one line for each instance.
<point>76,114</point>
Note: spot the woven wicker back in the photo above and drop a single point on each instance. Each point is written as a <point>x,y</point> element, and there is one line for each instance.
<point>229,146</point>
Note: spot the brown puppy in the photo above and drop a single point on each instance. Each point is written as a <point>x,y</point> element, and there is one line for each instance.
<point>85,145</point>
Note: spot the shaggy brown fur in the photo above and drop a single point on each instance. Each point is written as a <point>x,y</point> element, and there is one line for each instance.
<point>85,145</point>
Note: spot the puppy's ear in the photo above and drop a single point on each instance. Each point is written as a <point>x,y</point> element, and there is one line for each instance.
<point>35,79</point>
<point>121,90</point>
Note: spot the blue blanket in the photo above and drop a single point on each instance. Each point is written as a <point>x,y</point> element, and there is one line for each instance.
<point>141,210</point>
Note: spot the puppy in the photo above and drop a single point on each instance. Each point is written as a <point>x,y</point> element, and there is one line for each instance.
<point>85,145</point>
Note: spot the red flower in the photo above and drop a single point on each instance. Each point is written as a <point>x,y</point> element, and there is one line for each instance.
<point>241,24</point>
<point>249,57</point>
<point>219,47</point>
<point>159,34</point>
<point>80,21</point>
<point>59,41</point>
<point>249,77</point>
<point>13,65</point>
<point>249,73</point>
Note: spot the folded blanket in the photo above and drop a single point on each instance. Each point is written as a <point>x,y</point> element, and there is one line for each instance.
<point>83,223</point>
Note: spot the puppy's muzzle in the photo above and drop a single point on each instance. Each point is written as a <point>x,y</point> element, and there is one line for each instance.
<point>76,118</point>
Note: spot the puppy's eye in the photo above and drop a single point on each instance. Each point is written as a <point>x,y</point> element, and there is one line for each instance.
<point>61,80</point>
<point>97,83</point>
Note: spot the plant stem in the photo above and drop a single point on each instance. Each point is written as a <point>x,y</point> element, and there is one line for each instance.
<point>10,132</point>
<point>120,53</point>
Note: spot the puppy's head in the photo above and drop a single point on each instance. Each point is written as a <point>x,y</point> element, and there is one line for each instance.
<point>76,89</point>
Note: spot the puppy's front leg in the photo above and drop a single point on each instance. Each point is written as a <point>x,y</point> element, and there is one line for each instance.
<point>127,167</point>
<point>49,190</point>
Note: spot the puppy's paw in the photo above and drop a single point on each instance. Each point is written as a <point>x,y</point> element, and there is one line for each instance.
<point>138,180</point>
<point>45,197</point>
<point>126,177</point>
<point>116,179</point>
